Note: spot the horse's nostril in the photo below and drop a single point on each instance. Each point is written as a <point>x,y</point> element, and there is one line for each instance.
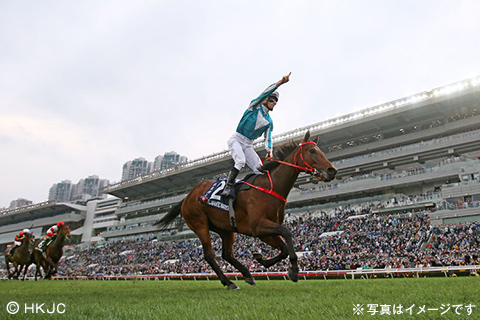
<point>332,171</point>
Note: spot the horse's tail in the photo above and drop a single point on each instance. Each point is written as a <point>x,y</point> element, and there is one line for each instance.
<point>171,215</point>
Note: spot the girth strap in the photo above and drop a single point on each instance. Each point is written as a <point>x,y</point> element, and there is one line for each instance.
<point>231,214</point>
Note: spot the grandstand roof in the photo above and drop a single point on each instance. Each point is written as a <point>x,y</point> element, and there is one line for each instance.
<point>383,119</point>
<point>39,210</point>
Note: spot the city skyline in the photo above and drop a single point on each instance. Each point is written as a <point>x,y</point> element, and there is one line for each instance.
<point>66,185</point>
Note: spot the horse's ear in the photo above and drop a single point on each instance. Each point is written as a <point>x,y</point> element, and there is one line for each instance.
<point>307,136</point>
<point>315,140</point>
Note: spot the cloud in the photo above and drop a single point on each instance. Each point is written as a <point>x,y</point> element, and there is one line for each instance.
<point>87,86</point>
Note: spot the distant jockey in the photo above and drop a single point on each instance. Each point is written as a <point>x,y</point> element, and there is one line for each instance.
<point>47,239</point>
<point>18,240</point>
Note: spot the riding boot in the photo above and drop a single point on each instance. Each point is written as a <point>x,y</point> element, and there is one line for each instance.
<point>41,244</point>
<point>230,182</point>
<point>48,242</point>
<point>12,249</point>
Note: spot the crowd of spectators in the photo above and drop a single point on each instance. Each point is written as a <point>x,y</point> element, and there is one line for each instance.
<point>346,238</point>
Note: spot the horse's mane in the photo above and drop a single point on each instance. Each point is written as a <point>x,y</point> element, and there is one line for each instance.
<point>280,153</point>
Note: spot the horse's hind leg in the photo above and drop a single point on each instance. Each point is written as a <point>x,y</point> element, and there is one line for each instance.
<point>16,272</point>
<point>275,242</point>
<point>19,272</point>
<point>206,241</point>
<point>228,238</point>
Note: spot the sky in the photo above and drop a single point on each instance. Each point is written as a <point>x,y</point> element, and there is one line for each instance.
<point>86,86</point>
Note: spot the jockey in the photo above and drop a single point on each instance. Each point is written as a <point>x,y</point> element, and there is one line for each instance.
<point>255,122</point>
<point>18,240</point>
<point>49,237</point>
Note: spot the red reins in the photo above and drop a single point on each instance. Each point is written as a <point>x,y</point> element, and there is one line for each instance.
<point>273,193</point>
<point>308,169</point>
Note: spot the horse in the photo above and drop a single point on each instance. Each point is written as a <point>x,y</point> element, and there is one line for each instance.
<point>259,211</point>
<point>20,258</point>
<point>53,253</point>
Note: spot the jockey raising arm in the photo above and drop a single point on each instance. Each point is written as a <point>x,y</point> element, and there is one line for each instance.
<point>254,122</point>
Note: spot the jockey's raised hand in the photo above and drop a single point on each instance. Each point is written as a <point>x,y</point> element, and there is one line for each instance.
<point>284,79</point>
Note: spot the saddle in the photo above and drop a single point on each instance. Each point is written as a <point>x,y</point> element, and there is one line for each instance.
<point>212,196</point>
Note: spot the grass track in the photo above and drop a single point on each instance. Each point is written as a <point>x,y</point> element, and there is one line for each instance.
<point>307,299</point>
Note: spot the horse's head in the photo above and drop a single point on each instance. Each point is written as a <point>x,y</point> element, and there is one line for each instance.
<point>64,231</point>
<point>313,159</point>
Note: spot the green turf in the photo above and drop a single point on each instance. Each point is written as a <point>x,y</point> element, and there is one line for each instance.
<point>307,299</point>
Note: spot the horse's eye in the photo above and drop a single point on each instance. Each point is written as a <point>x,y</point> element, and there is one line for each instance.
<point>312,150</point>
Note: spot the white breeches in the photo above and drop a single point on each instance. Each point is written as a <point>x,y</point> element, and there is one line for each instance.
<point>243,153</point>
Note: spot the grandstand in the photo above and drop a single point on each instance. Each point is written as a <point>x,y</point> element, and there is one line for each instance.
<point>422,148</point>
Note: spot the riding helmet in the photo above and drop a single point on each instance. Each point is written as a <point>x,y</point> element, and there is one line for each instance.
<point>275,95</point>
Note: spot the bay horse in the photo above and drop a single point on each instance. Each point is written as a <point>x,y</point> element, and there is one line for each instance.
<point>258,214</point>
<point>20,258</point>
<point>53,253</point>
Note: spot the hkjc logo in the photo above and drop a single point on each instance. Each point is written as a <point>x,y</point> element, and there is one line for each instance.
<point>13,308</point>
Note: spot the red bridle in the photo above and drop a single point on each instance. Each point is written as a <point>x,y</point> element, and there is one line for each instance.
<point>308,169</point>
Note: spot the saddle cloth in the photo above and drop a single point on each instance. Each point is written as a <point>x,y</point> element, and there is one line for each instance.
<point>212,196</point>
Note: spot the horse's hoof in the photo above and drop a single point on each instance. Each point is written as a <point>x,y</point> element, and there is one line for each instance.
<point>250,281</point>
<point>233,286</point>
<point>293,275</point>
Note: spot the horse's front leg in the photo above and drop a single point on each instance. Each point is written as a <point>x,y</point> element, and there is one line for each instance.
<point>277,243</point>
<point>38,271</point>
<point>9,274</point>
<point>25,271</point>
<point>268,228</point>
<point>54,268</point>
<point>47,269</point>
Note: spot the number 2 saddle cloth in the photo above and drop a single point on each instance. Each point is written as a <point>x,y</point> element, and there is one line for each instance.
<point>212,196</point>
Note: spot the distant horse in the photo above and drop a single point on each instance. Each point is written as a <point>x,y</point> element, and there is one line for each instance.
<point>258,213</point>
<point>53,253</point>
<point>20,258</point>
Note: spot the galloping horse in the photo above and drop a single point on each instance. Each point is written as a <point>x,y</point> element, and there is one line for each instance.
<point>53,253</point>
<point>20,257</point>
<point>258,214</point>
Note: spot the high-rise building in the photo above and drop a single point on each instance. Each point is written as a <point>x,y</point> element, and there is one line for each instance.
<point>19,203</point>
<point>61,191</point>
<point>135,168</point>
<point>157,163</point>
<point>85,189</point>
<point>88,188</point>
<point>171,159</point>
